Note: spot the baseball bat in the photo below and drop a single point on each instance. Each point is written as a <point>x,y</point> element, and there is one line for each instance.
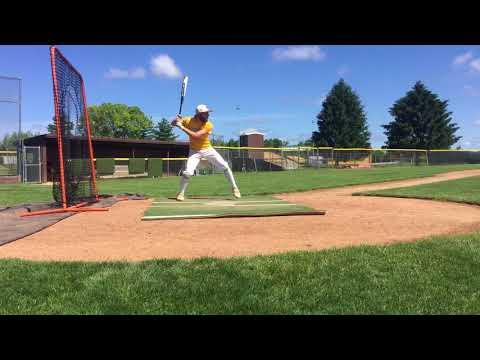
<point>184,90</point>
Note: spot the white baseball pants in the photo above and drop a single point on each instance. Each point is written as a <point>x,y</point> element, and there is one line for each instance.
<point>213,157</point>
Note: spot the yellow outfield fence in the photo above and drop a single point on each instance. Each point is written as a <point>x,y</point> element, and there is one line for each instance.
<point>271,159</point>
<point>255,159</point>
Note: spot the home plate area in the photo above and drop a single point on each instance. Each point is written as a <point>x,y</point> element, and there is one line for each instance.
<point>221,207</point>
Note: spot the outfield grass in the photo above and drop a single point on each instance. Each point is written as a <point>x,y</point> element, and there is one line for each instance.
<point>262,183</point>
<point>12,194</point>
<point>465,190</point>
<point>436,276</point>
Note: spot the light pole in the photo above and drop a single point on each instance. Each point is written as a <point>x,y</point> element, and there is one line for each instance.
<point>19,103</point>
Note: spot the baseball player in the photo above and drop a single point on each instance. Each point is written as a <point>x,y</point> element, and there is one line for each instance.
<point>198,128</point>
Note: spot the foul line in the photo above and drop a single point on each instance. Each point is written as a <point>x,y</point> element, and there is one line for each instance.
<point>280,204</point>
<point>176,216</point>
<point>186,217</point>
<point>206,202</point>
<point>177,202</point>
<point>237,205</point>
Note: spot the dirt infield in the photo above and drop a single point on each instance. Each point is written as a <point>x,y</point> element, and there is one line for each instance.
<point>350,220</point>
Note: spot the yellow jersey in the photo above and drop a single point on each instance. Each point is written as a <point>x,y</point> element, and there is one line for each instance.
<point>193,124</point>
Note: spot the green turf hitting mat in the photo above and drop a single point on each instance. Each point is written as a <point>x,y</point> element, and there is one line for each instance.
<point>222,207</point>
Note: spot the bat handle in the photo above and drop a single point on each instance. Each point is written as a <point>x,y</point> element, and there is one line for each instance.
<point>181,104</point>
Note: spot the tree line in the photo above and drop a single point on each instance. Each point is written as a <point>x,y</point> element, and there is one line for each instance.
<point>10,141</point>
<point>421,120</point>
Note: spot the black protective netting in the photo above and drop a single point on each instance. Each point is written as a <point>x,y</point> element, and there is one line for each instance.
<point>78,175</point>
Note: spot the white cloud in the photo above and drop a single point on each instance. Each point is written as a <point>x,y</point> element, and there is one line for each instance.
<point>477,122</point>
<point>116,74</point>
<point>470,143</point>
<point>343,70</point>
<point>136,73</point>
<point>471,90</point>
<point>475,65</point>
<point>164,66</point>
<point>299,53</point>
<point>463,58</point>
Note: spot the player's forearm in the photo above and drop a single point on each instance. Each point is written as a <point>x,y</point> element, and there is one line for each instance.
<point>190,132</point>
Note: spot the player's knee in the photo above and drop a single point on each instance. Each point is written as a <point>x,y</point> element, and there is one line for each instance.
<point>186,174</point>
<point>224,166</point>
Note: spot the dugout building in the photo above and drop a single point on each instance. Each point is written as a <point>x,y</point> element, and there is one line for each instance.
<point>106,148</point>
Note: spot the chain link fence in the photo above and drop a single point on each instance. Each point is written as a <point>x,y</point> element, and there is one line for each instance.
<point>281,159</point>
<point>447,157</point>
<point>243,159</point>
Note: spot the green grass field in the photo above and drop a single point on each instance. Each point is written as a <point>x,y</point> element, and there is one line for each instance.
<point>163,208</point>
<point>436,276</point>
<point>262,183</point>
<point>465,190</point>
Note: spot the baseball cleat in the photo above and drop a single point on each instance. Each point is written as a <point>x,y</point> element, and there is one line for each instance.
<point>236,193</point>
<point>180,197</point>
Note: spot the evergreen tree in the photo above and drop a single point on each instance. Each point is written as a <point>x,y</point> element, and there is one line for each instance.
<point>162,131</point>
<point>342,122</point>
<point>421,121</point>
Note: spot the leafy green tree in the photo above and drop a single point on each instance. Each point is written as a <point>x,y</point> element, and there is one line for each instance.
<point>308,142</point>
<point>421,121</point>
<point>116,120</point>
<point>274,143</point>
<point>233,143</point>
<point>119,121</point>
<point>217,140</point>
<point>342,121</point>
<point>10,141</point>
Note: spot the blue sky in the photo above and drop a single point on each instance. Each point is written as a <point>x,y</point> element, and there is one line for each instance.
<point>278,89</point>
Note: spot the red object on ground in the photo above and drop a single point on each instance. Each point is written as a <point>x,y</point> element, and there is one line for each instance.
<point>75,208</point>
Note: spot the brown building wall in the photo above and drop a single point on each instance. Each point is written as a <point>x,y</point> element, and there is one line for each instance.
<point>255,141</point>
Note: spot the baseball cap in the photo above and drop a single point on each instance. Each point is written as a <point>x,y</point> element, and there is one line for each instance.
<point>203,108</point>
